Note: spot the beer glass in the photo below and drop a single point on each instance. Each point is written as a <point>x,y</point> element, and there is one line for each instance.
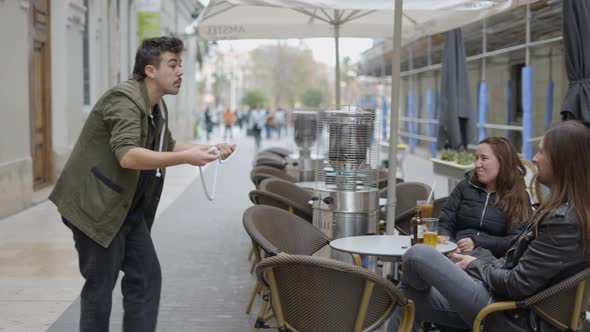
<point>430,231</point>
<point>425,207</point>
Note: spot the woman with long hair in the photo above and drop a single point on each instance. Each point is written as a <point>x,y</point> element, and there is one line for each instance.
<point>552,247</point>
<point>488,207</point>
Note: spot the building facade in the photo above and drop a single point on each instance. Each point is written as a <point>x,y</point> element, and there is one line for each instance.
<point>497,50</point>
<point>61,57</point>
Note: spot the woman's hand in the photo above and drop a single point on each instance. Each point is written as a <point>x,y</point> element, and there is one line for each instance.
<point>457,251</point>
<point>463,260</point>
<point>465,245</point>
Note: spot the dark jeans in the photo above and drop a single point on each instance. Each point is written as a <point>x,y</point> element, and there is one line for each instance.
<point>228,130</point>
<point>132,251</point>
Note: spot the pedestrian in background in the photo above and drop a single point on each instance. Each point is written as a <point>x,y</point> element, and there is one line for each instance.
<point>279,121</point>
<point>270,123</point>
<point>257,121</point>
<point>228,121</point>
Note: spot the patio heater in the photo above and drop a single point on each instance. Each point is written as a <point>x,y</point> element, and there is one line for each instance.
<point>305,126</point>
<point>346,196</point>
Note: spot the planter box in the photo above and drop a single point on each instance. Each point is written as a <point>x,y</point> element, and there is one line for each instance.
<point>451,170</point>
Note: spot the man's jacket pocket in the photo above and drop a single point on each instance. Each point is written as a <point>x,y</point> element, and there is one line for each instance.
<point>100,194</point>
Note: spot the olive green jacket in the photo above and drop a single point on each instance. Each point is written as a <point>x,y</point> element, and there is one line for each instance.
<point>94,192</point>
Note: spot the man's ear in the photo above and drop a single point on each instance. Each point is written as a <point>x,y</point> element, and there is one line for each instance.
<point>150,71</point>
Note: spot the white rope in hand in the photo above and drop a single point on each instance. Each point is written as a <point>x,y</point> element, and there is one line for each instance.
<point>218,161</point>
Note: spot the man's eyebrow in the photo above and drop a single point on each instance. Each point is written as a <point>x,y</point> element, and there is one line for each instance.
<point>173,60</point>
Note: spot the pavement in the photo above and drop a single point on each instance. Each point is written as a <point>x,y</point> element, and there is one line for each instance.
<point>202,248</point>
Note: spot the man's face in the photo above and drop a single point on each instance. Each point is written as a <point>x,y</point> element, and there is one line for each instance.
<point>168,75</point>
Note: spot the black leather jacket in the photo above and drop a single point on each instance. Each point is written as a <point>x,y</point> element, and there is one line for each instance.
<point>471,212</point>
<point>543,253</point>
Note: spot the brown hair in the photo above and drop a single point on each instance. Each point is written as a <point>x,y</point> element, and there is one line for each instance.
<point>511,193</point>
<point>567,146</point>
<point>150,51</point>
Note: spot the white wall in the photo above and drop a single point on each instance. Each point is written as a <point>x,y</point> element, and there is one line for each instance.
<point>16,174</point>
<point>67,76</point>
<point>14,81</point>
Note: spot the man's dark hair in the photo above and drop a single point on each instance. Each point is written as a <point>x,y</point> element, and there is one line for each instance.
<point>150,51</point>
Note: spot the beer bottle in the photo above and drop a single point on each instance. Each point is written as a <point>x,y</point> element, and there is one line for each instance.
<point>417,228</point>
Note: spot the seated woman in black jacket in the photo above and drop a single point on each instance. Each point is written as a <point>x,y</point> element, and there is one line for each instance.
<point>487,208</point>
<point>552,247</point>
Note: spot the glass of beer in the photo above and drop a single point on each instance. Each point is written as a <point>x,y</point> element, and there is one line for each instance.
<point>425,207</point>
<point>430,231</point>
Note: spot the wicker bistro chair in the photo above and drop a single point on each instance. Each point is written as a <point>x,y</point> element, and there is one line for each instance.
<point>383,177</point>
<point>292,199</point>
<point>288,190</point>
<point>316,294</point>
<point>263,197</point>
<point>268,155</point>
<point>270,158</point>
<point>403,222</point>
<point>281,152</point>
<point>274,230</point>
<point>260,173</point>
<point>563,305</point>
<point>406,193</point>
<point>437,205</point>
<point>271,162</point>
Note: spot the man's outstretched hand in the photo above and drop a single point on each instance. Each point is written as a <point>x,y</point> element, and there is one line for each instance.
<point>225,149</point>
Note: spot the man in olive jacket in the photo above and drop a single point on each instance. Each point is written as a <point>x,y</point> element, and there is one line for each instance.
<point>110,187</point>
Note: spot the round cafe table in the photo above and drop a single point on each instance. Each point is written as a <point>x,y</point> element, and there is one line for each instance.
<point>390,246</point>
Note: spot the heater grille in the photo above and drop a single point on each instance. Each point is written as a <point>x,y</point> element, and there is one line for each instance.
<point>305,130</point>
<point>347,137</point>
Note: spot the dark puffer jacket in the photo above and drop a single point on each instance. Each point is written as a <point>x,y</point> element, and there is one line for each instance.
<point>471,212</point>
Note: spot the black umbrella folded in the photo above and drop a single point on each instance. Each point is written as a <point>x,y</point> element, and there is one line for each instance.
<point>576,31</point>
<point>456,123</point>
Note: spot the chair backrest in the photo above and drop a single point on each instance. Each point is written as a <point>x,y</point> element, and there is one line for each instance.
<point>281,152</point>
<point>407,193</point>
<point>264,154</point>
<point>275,230</point>
<point>437,205</point>
<point>286,189</point>
<point>271,162</point>
<point>383,177</point>
<point>263,197</point>
<point>403,221</point>
<point>565,303</point>
<point>314,294</point>
<point>260,173</point>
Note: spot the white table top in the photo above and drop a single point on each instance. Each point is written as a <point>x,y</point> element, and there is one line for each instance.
<point>382,245</point>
